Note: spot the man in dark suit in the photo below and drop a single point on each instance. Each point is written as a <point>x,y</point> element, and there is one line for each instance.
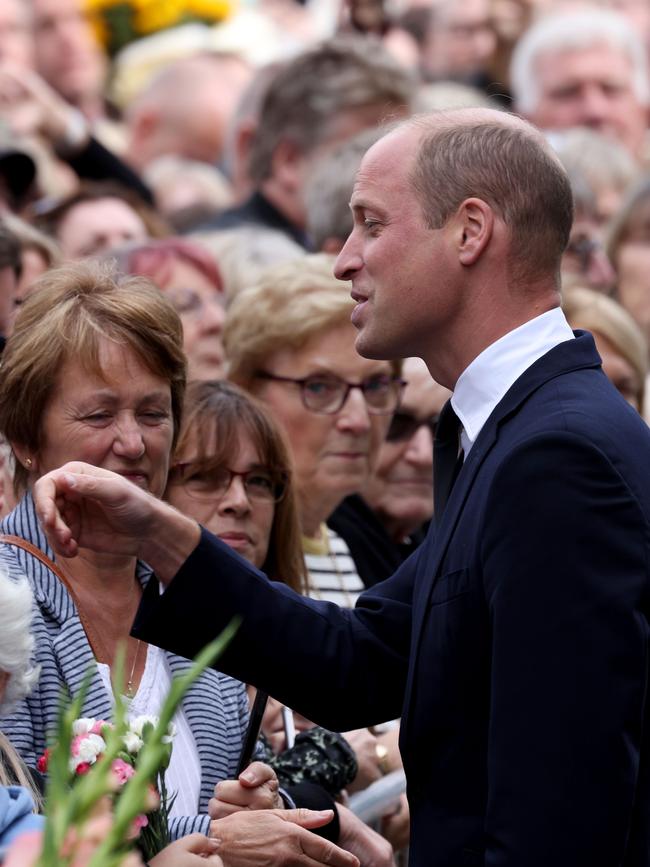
<point>515,640</point>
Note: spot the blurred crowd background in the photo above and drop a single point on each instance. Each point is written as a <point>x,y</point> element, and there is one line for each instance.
<point>211,146</point>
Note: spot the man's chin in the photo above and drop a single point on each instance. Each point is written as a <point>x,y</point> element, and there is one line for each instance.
<point>375,348</point>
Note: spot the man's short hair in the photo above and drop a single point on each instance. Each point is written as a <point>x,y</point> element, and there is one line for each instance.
<point>577,30</point>
<point>313,90</point>
<point>511,169</point>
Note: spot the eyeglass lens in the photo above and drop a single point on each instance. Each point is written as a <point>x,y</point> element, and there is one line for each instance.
<point>328,394</point>
<point>259,484</point>
<point>404,425</point>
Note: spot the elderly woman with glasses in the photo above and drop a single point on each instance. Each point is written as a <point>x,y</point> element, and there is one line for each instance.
<point>386,522</point>
<point>290,342</point>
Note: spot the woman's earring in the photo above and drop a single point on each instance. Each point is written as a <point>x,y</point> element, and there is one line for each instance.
<point>28,463</point>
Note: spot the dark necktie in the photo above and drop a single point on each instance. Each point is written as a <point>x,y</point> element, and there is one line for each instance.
<point>447,458</point>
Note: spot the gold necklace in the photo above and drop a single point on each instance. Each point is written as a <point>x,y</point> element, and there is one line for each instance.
<point>96,643</point>
<point>130,692</point>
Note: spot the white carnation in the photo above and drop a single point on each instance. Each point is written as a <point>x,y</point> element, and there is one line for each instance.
<point>138,723</point>
<point>91,747</point>
<point>171,733</point>
<point>83,725</point>
<point>133,743</point>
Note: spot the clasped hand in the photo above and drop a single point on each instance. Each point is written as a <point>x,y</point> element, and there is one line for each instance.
<point>256,788</point>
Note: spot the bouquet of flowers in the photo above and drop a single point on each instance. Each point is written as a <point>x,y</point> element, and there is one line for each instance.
<point>88,746</point>
<point>93,760</point>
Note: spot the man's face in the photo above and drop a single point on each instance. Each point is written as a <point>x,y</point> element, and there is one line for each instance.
<point>67,53</point>
<point>399,268</point>
<point>591,87</point>
<point>15,39</point>
<point>585,260</point>
<point>460,43</point>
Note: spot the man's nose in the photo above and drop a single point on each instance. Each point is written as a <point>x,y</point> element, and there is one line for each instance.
<point>419,450</point>
<point>349,261</point>
<point>596,106</point>
<point>600,272</point>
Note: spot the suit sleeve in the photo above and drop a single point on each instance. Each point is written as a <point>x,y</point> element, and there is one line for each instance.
<point>564,552</point>
<point>341,668</point>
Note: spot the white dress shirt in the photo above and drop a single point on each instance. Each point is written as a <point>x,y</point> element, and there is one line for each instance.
<point>486,380</point>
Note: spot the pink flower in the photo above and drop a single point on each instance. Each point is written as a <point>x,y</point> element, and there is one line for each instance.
<point>99,725</point>
<point>122,770</point>
<point>139,823</point>
<point>82,768</point>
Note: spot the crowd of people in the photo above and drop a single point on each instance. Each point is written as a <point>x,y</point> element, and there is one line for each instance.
<point>195,235</point>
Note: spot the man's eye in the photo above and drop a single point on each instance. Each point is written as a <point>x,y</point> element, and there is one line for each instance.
<point>97,416</point>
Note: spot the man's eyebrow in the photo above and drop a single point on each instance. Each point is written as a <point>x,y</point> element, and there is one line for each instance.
<point>362,204</point>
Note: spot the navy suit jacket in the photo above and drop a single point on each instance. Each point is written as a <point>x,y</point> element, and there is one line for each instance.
<point>514,642</point>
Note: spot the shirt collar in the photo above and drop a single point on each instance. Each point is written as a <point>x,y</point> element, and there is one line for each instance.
<point>486,380</point>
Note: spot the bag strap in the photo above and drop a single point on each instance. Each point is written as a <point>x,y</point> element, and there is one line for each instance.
<point>19,542</point>
<point>95,644</point>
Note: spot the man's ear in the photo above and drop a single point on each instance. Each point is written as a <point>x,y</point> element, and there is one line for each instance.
<point>287,164</point>
<point>143,126</point>
<point>475,226</point>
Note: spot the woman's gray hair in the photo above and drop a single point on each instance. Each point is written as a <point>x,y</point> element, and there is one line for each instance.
<point>16,639</point>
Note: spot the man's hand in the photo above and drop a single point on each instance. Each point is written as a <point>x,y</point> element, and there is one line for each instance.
<point>249,839</point>
<point>81,506</point>
<point>396,827</point>
<point>364,744</point>
<point>371,848</point>
<point>32,109</point>
<point>196,850</point>
<point>255,789</point>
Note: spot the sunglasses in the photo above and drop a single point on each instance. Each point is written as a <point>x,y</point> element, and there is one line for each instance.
<point>404,425</point>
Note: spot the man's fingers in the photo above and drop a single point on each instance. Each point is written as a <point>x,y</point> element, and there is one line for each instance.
<point>218,809</point>
<point>324,852</point>
<point>49,508</point>
<point>306,818</point>
<point>258,773</point>
<point>199,844</point>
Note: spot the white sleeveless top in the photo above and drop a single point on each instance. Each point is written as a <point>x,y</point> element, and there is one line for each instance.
<point>184,772</point>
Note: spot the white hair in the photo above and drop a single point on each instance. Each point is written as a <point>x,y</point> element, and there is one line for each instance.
<point>16,640</point>
<point>559,32</point>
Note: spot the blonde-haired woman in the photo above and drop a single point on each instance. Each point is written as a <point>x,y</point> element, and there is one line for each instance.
<point>619,340</point>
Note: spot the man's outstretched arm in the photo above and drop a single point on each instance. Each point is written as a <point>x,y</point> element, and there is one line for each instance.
<point>344,669</point>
